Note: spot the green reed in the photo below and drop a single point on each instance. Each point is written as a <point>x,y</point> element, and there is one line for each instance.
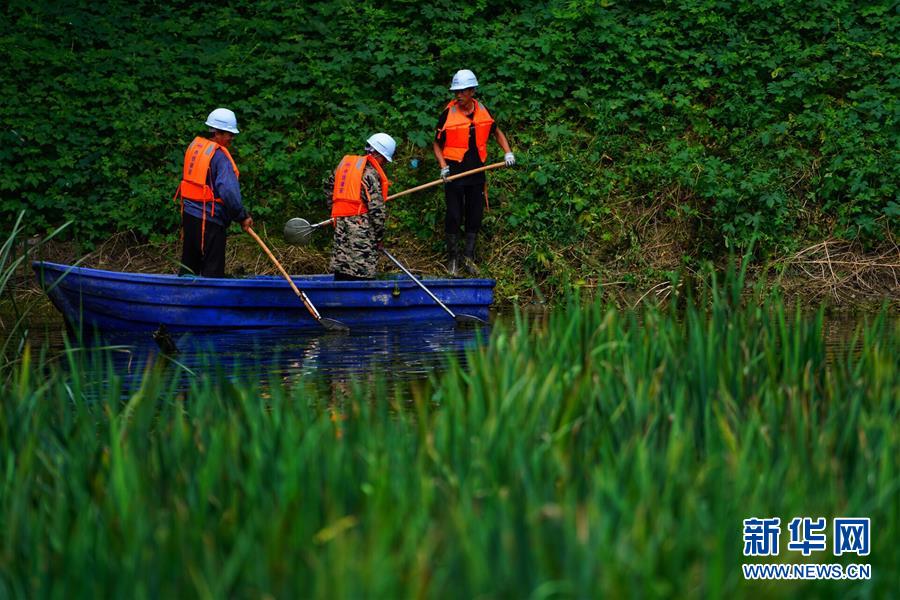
<point>14,254</point>
<point>605,453</point>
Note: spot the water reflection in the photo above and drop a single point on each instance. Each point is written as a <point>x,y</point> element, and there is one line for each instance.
<point>397,353</point>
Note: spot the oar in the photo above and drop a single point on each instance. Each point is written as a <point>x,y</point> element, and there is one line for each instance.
<point>297,230</point>
<point>324,322</point>
<point>458,318</point>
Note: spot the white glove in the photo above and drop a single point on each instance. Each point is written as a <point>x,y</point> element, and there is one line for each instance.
<point>510,159</point>
<point>445,173</point>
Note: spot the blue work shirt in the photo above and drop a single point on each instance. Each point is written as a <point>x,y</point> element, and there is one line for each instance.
<point>224,183</point>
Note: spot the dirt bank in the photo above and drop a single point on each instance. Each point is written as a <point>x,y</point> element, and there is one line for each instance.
<point>837,273</point>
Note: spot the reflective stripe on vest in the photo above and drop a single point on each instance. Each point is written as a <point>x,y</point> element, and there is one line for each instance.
<point>345,195</point>
<point>457,129</point>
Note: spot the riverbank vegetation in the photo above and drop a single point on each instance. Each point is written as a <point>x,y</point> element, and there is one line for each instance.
<point>650,136</point>
<point>624,459</point>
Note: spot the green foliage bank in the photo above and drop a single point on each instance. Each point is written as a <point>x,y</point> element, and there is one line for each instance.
<point>730,117</point>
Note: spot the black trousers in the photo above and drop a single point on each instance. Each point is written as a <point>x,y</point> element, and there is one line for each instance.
<point>465,206</point>
<point>208,261</point>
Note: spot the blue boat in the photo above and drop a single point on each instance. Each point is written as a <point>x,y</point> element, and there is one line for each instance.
<point>109,300</point>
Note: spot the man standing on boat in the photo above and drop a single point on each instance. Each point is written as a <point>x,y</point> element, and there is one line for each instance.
<point>210,197</point>
<point>460,144</point>
<point>358,190</point>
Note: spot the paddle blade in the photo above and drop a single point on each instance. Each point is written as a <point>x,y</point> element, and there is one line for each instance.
<point>332,325</point>
<point>296,231</point>
<point>469,319</point>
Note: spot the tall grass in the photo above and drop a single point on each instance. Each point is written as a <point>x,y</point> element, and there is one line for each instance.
<point>13,335</point>
<point>606,454</point>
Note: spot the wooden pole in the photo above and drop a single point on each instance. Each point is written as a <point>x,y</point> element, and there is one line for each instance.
<point>327,323</point>
<point>451,178</point>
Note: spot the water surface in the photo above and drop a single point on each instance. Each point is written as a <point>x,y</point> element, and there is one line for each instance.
<point>397,353</point>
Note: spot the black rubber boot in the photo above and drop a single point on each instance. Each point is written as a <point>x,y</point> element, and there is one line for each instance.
<point>452,255</point>
<point>469,255</point>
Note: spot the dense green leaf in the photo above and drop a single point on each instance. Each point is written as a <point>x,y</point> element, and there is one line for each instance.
<point>750,110</point>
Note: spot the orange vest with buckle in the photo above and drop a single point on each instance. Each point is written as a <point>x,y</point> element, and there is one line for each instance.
<point>345,196</point>
<point>193,184</point>
<point>457,129</point>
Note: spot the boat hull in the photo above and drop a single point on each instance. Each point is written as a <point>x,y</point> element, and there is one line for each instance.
<point>109,300</point>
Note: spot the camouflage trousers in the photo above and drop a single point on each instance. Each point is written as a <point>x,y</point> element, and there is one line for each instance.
<point>354,251</point>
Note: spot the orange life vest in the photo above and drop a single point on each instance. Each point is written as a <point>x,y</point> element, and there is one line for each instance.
<point>193,184</point>
<point>345,198</point>
<point>457,129</point>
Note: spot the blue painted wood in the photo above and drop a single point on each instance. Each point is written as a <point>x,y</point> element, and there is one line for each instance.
<point>110,300</point>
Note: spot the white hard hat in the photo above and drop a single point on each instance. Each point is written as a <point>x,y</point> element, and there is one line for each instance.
<point>223,119</point>
<point>463,79</point>
<point>384,144</point>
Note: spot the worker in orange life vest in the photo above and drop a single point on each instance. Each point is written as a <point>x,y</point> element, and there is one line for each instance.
<point>358,189</point>
<point>460,144</point>
<point>210,197</point>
